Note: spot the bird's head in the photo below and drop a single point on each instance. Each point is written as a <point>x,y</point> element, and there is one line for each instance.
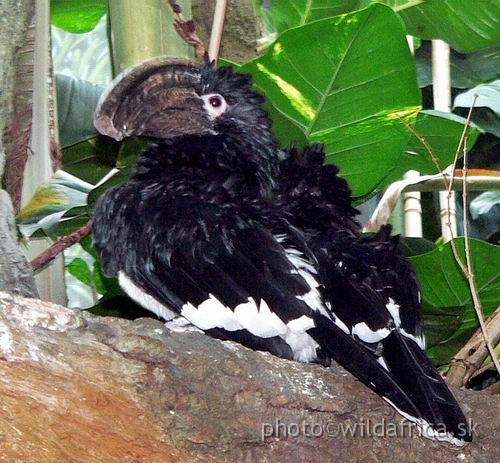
<point>164,98</point>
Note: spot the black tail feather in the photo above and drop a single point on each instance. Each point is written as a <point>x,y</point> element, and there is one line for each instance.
<point>362,363</point>
<point>411,384</point>
<point>414,372</point>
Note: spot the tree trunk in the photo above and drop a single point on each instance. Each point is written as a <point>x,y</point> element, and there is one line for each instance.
<point>80,388</point>
<point>15,271</point>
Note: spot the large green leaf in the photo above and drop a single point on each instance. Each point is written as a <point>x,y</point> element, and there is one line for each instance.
<point>440,325</point>
<point>286,14</point>
<point>442,132</point>
<point>80,270</point>
<point>466,25</point>
<point>414,246</point>
<point>77,16</point>
<point>482,204</point>
<point>444,286</point>
<point>354,90</point>
<point>487,120</point>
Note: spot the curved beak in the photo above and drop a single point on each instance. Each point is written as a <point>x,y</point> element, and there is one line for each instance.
<point>156,99</point>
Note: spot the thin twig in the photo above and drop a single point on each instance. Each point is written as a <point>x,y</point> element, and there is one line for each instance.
<point>59,246</point>
<point>466,266</point>
<point>448,180</point>
<point>470,273</point>
<point>461,144</point>
<point>423,141</point>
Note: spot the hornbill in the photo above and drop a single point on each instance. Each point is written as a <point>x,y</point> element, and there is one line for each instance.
<point>215,228</point>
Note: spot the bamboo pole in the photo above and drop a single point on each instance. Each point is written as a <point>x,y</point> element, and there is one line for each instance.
<point>477,179</point>
<point>141,30</point>
<point>412,209</point>
<point>441,83</point>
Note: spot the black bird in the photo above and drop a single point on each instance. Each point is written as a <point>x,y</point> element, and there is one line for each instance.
<point>213,228</point>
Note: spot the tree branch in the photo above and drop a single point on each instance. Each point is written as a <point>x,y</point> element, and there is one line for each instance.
<point>115,388</point>
<point>468,360</point>
<point>59,246</point>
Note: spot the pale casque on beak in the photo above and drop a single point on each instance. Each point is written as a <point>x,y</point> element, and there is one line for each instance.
<point>157,98</point>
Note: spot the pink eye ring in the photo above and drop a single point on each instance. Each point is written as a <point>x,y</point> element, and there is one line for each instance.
<point>214,104</point>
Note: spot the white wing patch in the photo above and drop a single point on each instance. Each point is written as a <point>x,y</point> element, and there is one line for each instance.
<point>257,319</point>
<point>381,360</point>
<point>337,320</point>
<point>366,334</point>
<point>301,324</point>
<point>211,313</point>
<point>262,323</point>
<point>142,298</point>
<point>303,346</point>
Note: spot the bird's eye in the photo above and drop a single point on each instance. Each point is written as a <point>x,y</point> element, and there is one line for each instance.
<point>214,104</point>
<point>215,101</point>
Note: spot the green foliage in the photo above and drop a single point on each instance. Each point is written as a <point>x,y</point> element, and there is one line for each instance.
<point>77,16</point>
<point>484,203</point>
<point>80,270</point>
<point>487,120</point>
<point>466,25</point>
<point>442,132</point>
<point>333,92</point>
<point>415,246</point>
<point>52,204</point>
<point>486,101</point>
<point>355,91</point>
<point>114,302</point>
<point>91,159</point>
<point>292,13</point>
<point>448,304</point>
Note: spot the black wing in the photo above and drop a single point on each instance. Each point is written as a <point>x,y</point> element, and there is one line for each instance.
<point>312,193</point>
<point>229,277</point>
<point>371,288</point>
